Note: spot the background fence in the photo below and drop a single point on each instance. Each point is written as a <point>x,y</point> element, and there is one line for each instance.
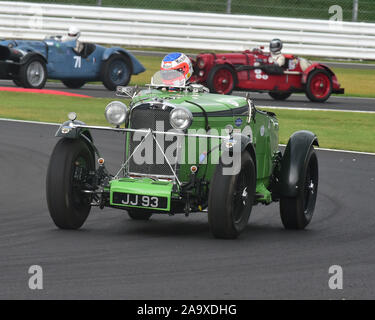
<point>188,30</point>
<point>312,9</point>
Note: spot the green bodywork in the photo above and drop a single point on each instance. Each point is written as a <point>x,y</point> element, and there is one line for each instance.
<point>221,110</point>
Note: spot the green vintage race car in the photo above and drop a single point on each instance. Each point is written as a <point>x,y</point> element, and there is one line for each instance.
<point>186,150</point>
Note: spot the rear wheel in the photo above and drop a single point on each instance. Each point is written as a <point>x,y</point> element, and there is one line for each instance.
<point>116,71</point>
<point>68,170</point>
<point>33,74</point>
<point>297,212</point>
<point>279,95</point>
<point>319,85</point>
<point>139,214</point>
<point>221,79</point>
<point>231,198</point>
<point>73,83</point>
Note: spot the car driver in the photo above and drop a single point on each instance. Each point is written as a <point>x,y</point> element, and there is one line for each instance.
<point>73,35</point>
<point>277,57</point>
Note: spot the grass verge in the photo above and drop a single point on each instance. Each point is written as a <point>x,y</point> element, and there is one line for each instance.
<point>338,130</point>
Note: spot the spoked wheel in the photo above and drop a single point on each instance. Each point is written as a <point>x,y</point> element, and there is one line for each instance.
<point>221,79</point>
<point>279,95</point>
<point>319,85</point>
<point>296,213</point>
<point>68,174</point>
<point>139,214</point>
<point>231,198</point>
<point>33,74</point>
<point>116,71</point>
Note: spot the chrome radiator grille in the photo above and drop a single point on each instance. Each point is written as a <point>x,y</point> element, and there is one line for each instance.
<point>154,117</point>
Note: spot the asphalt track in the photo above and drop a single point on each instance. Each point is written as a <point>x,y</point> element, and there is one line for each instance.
<point>295,101</point>
<point>175,257</point>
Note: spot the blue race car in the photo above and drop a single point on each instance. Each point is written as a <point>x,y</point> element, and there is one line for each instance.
<point>30,63</point>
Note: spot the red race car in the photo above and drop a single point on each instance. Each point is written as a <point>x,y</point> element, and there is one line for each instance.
<point>255,71</point>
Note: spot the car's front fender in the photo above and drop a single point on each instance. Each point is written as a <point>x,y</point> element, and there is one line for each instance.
<point>311,68</point>
<point>137,67</point>
<point>67,130</point>
<point>293,161</point>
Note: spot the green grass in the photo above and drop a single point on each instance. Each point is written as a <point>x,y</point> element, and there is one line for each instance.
<point>357,82</point>
<point>338,130</point>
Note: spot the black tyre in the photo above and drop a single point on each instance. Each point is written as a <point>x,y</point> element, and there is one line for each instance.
<point>116,71</point>
<point>221,79</point>
<point>319,85</point>
<point>279,95</point>
<point>231,198</point>
<point>73,83</point>
<point>33,74</point>
<point>139,214</point>
<point>296,213</point>
<point>17,82</point>
<point>68,169</point>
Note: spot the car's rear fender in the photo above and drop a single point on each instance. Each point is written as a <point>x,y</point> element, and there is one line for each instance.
<point>293,160</point>
<point>137,67</point>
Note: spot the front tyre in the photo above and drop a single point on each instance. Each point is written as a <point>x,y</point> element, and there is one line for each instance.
<point>319,85</point>
<point>116,71</point>
<point>231,198</point>
<point>221,79</point>
<point>33,74</point>
<point>139,214</point>
<point>68,171</point>
<point>297,212</point>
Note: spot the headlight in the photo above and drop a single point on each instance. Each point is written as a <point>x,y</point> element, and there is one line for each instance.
<point>116,113</point>
<point>180,118</point>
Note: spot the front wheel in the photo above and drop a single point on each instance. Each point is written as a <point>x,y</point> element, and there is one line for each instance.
<point>231,198</point>
<point>68,172</point>
<point>279,95</point>
<point>319,85</point>
<point>221,79</point>
<point>297,212</point>
<point>33,74</point>
<point>116,71</point>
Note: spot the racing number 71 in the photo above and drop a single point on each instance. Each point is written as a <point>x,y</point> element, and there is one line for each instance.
<point>77,63</point>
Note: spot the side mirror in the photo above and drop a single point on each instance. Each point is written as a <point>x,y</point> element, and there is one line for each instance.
<point>127,92</point>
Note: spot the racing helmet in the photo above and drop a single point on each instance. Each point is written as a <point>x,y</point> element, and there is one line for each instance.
<point>276,45</point>
<point>74,32</point>
<point>176,69</point>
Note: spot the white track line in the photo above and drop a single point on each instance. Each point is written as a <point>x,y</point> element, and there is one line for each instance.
<point>32,122</point>
<point>314,109</point>
<point>282,145</point>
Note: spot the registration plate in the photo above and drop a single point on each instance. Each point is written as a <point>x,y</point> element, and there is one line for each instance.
<point>136,200</point>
